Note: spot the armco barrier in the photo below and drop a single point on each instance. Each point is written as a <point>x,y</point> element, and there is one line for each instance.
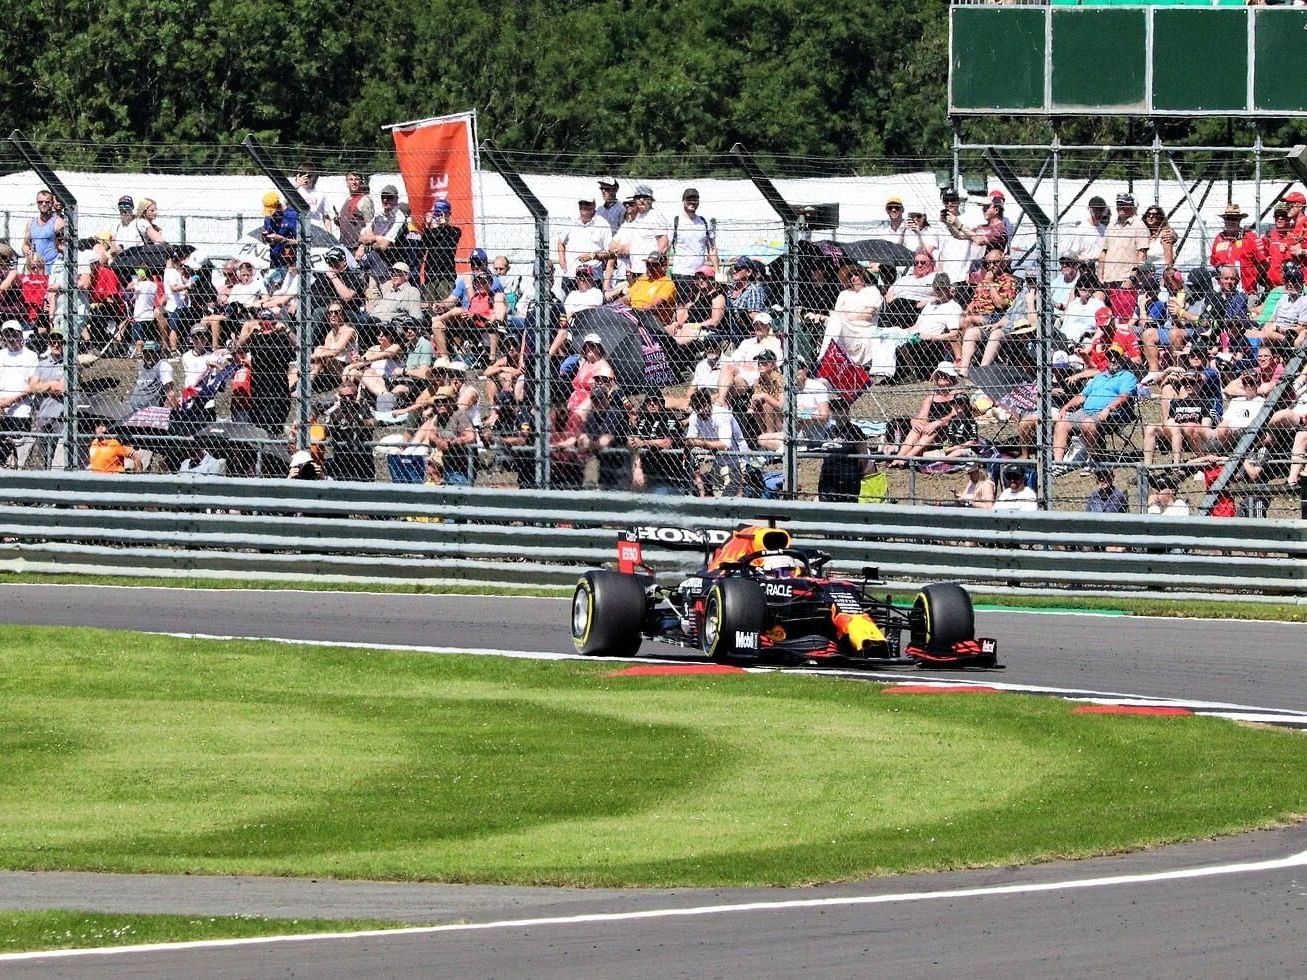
<point>171,525</point>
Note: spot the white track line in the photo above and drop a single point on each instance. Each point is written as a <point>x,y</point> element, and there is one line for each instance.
<point>1248,867</point>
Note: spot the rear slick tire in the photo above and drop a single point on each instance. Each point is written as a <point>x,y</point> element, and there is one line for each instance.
<point>608,609</point>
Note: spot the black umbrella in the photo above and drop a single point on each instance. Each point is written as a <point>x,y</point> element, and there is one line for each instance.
<point>619,330</point>
<point>877,250</point>
<point>151,258</point>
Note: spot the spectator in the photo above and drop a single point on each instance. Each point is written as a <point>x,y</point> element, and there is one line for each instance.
<point>33,285</point>
<point>603,436</point>
<point>198,361</point>
<point>379,363</point>
<point>154,380</point>
<point>339,347</point>
<point>357,212</point>
<point>46,388</point>
<point>1226,310</point>
<point>388,226</point>
<point>1088,244</point>
<point>18,366</point>
<point>1165,499</point>
<point>1233,246</point>
<point>450,431</point>
<point>712,427</point>
<point>1287,323</point>
<point>1107,399</point>
<point>708,372</point>
<point>474,288</point>
<point>704,308</point>
<point>513,431</point>
<point>508,371</point>
<point>1063,288</point>
<point>648,229</point>
<point>983,317</point>
<point>270,352</point>
<point>1068,376</point>
<point>766,407</point>
<point>1239,412</point>
<point>852,321</point>
<point>594,364</point>
<point>350,426</point>
<point>894,227</point>
<point>585,295</point>
<point>1108,335</point>
<point>918,285</point>
<point>1297,224</point>
<point>979,490</point>
<point>844,457</point>
<point>437,247</point>
<point>1161,237</point>
<point>1125,244</point>
<point>1188,421</point>
<point>1017,496</point>
<point>582,242</point>
<point>280,232</point>
<point>402,383</point>
<point>1298,456</point>
<point>1106,498</point>
<point>107,454</point>
<point>617,262</point>
<point>145,300</point>
<point>41,231</point>
<point>937,407</point>
<point>124,235</point>
<point>12,305</point>
<point>655,293</point>
<point>990,234</point>
<point>1268,369</point>
<point>241,303</point>
<point>812,411</point>
<point>1278,245</point>
<point>1080,318</point>
<point>306,182</point>
<point>177,283</point>
<point>610,208</point>
<point>956,253</point>
<point>941,318</point>
<point>745,300</point>
<point>959,436</point>
<point>658,461</point>
<point>740,371</point>
<point>692,242</point>
<point>396,296</point>
<point>304,467</point>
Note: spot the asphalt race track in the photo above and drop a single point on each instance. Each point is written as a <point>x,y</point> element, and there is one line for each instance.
<point>1230,908</point>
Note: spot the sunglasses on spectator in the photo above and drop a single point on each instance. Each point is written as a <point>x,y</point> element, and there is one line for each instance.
<point>893,207</point>
<point>921,261</point>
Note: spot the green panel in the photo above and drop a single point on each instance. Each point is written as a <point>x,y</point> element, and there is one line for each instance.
<point>997,59</point>
<point>1200,60</point>
<point>1280,49</point>
<point>1081,76</point>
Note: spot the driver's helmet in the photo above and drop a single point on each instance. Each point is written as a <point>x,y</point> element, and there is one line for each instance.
<point>780,566</point>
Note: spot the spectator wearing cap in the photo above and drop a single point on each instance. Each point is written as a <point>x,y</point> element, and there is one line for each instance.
<point>154,380</point>
<point>1063,286</point>
<point>851,323</point>
<point>198,361</point>
<point>457,306</point>
<point>1240,410</point>
<point>1089,240</point>
<point>1105,400</point>
<point>593,364</point>
<point>658,456</point>
<point>381,361</point>
<point>766,407</point>
<point>584,295</point>
<point>1278,244</point>
<point>1125,244</point>
<point>437,246</point>
<point>937,406</point>
<point>46,386</point>
<point>350,425</point>
<point>386,227</point>
<point>1297,204</point>
<point>745,300</point>
<point>124,235</point>
<point>983,318</point>
<point>1111,333</point>
<point>1187,419</point>
<point>713,428</point>
<point>703,310</point>
<point>603,435</point>
<point>357,211</point>
<point>1287,323</point>
<point>396,296</point>
<point>1017,496</point>
<point>1234,246</point>
<point>609,208</point>
<point>992,233</point>
<point>18,366</point>
<point>692,243</point>
<point>894,227</point>
<point>647,232</point>
<point>280,231</point>
<point>339,283</point>
<point>583,241</point>
<point>654,292</point>
<point>449,431</point>
<point>740,370</point>
<point>481,314</point>
<point>956,252</point>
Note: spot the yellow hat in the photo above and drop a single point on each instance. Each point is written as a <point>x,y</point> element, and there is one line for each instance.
<point>270,202</point>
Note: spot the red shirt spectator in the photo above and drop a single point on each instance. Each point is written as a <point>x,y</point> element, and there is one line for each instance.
<point>1110,335</point>
<point>1278,244</point>
<point>1239,248</point>
<point>1297,221</point>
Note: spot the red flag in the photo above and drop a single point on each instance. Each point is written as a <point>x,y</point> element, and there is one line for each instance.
<point>847,378</point>
<point>438,158</point>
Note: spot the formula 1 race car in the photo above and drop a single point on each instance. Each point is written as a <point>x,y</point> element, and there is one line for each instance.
<point>758,597</point>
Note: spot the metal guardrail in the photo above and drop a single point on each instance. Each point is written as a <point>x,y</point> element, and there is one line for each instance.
<point>229,528</point>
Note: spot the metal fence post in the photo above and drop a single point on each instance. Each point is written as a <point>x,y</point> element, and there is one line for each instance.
<point>304,321</point>
<point>543,300</point>
<point>72,344</point>
<point>790,220</point>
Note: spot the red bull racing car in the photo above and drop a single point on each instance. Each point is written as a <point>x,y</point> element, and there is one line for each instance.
<point>759,597</point>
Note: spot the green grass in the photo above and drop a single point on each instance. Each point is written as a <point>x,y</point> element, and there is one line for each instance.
<point>64,929</point>
<point>140,753</point>
<point>1151,606</point>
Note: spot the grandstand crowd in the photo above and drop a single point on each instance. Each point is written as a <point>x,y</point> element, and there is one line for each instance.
<point>665,362</point>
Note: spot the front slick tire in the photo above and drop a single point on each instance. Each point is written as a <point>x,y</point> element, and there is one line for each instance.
<point>942,616</point>
<point>607,611</point>
<point>733,619</point>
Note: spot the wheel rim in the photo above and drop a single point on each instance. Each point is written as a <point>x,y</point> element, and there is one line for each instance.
<point>580,613</point>
<point>711,623</point>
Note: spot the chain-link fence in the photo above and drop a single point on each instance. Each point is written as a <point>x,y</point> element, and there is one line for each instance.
<point>879,330</point>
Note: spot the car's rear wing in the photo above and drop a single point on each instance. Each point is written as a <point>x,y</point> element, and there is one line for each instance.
<point>631,542</point>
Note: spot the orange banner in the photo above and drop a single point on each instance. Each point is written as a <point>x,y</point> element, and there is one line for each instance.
<point>438,158</point>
